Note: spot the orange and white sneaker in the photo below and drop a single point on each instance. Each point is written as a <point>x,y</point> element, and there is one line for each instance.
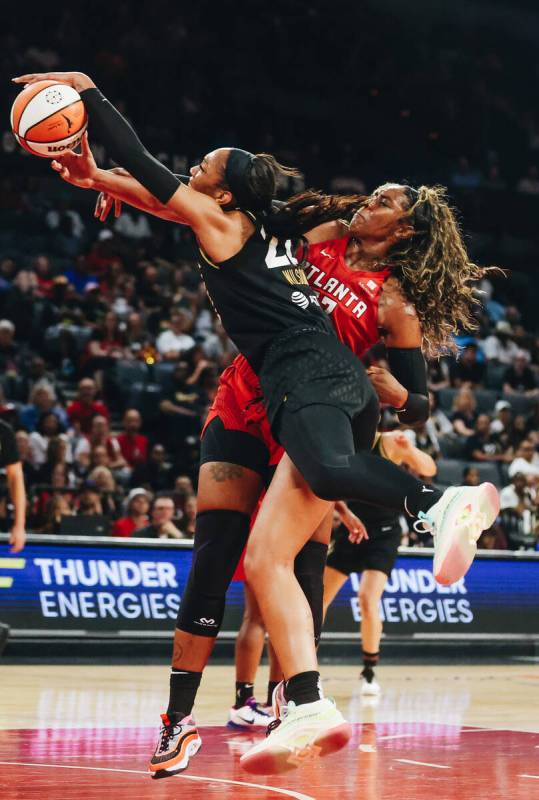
<point>301,735</point>
<point>178,742</point>
<point>456,522</point>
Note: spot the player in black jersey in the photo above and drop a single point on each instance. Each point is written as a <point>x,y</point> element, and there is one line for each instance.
<point>373,556</point>
<point>319,401</point>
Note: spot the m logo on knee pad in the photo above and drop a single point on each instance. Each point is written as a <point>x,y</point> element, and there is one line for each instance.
<point>208,623</point>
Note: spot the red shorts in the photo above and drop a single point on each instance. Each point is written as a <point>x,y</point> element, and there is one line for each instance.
<point>240,407</point>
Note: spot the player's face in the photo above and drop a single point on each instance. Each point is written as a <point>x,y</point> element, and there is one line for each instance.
<point>207,176</point>
<point>383,215</point>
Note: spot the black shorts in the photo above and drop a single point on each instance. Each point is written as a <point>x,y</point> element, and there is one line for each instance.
<point>378,552</point>
<point>235,447</point>
<point>310,367</point>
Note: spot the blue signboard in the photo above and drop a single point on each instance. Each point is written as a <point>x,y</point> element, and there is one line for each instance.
<point>106,586</point>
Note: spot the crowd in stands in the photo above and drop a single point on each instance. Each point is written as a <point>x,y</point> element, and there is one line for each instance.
<point>110,353</point>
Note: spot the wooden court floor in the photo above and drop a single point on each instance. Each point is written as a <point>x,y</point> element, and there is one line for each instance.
<point>443,733</point>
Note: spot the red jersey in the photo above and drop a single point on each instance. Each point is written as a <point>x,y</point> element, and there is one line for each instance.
<point>83,414</point>
<point>349,296</point>
<point>134,447</point>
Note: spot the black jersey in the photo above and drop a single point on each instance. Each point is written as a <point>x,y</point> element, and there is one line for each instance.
<point>261,293</point>
<point>8,446</point>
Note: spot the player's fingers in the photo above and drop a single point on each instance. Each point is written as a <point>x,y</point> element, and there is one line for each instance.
<point>85,145</point>
<point>105,208</point>
<point>98,205</point>
<point>117,208</point>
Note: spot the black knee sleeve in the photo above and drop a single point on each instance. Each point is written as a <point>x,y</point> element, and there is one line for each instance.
<point>309,571</point>
<point>220,537</point>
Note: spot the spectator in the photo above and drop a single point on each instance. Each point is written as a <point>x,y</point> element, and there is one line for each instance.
<point>526,462</point>
<point>82,410</point>
<point>175,341</point>
<point>438,375</point>
<point>529,183</point>
<point>89,499</point>
<point>8,348</point>
<point>470,476</point>
<point>100,436</point>
<point>499,346</point>
<point>183,488</point>
<point>42,400</point>
<point>504,418</point>
<point>518,495</point>
<point>519,378</point>
<point>106,485</point>
<point>47,428</point>
<point>190,515</point>
<point>467,370</point>
<point>438,418</point>
<point>183,404</point>
<point>161,525</point>
<point>154,474</point>
<point>133,225</point>
<point>464,414</point>
<point>483,445</point>
<point>25,454</point>
<point>133,445</point>
<point>138,505</point>
<point>58,506</point>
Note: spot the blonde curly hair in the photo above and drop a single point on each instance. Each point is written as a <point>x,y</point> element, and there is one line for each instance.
<point>433,265</point>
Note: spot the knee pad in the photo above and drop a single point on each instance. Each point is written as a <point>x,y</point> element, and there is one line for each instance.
<point>309,571</point>
<point>220,537</point>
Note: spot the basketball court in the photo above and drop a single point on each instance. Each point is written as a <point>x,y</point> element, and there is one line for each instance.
<point>436,731</point>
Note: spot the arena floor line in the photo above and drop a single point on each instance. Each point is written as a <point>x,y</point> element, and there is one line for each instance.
<point>68,732</point>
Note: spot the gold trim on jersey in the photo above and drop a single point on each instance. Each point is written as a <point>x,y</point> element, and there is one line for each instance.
<point>206,259</point>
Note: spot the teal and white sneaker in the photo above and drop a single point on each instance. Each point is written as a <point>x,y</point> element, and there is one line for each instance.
<point>303,734</point>
<point>456,522</point>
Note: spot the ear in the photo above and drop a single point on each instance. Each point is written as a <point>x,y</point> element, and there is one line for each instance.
<point>223,197</point>
<point>404,231</point>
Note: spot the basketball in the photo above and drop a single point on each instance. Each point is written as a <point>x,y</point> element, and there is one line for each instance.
<point>48,118</point>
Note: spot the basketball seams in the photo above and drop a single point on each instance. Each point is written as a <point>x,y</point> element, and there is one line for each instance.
<point>27,134</point>
<point>29,117</point>
<point>68,141</point>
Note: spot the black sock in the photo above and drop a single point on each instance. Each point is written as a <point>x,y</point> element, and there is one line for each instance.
<point>303,688</point>
<point>370,660</point>
<point>421,498</point>
<point>183,689</point>
<point>244,691</point>
<point>271,687</point>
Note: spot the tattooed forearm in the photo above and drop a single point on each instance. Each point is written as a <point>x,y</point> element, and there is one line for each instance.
<point>225,472</point>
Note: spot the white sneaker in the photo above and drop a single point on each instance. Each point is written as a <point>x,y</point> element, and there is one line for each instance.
<point>303,734</point>
<point>369,688</point>
<point>251,715</point>
<point>456,522</point>
<point>278,701</point>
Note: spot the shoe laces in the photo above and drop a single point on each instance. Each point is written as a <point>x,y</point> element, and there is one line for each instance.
<point>424,524</point>
<point>167,732</point>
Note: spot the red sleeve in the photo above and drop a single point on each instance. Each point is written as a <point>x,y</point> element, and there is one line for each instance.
<point>102,409</point>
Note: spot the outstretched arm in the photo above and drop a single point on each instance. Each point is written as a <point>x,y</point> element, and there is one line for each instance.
<point>123,145</point>
<point>400,450</point>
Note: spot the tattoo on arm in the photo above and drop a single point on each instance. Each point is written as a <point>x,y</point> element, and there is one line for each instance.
<point>221,472</point>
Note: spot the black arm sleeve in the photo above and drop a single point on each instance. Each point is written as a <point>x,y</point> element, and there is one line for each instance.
<point>408,366</point>
<point>124,146</point>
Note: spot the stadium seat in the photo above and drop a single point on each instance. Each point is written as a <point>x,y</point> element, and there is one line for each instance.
<point>494,375</point>
<point>486,400</point>
<point>145,397</point>
<point>520,403</point>
<point>162,372</point>
<point>450,471</point>
<point>452,446</point>
<point>127,373</point>
<point>446,397</point>
<point>488,472</point>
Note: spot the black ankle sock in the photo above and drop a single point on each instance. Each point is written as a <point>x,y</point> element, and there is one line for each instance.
<point>370,660</point>
<point>303,688</point>
<point>271,687</point>
<point>243,692</point>
<point>421,498</point>
<point>183,689</point>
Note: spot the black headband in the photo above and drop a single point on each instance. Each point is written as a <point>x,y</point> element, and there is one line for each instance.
<point>237,171</point>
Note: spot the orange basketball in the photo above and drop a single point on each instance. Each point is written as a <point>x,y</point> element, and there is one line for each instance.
<point>48,118</point>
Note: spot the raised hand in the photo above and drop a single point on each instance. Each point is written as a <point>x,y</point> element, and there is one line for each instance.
<point>78,80</point>
<point>105,201</point>
<point>80,170</point>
